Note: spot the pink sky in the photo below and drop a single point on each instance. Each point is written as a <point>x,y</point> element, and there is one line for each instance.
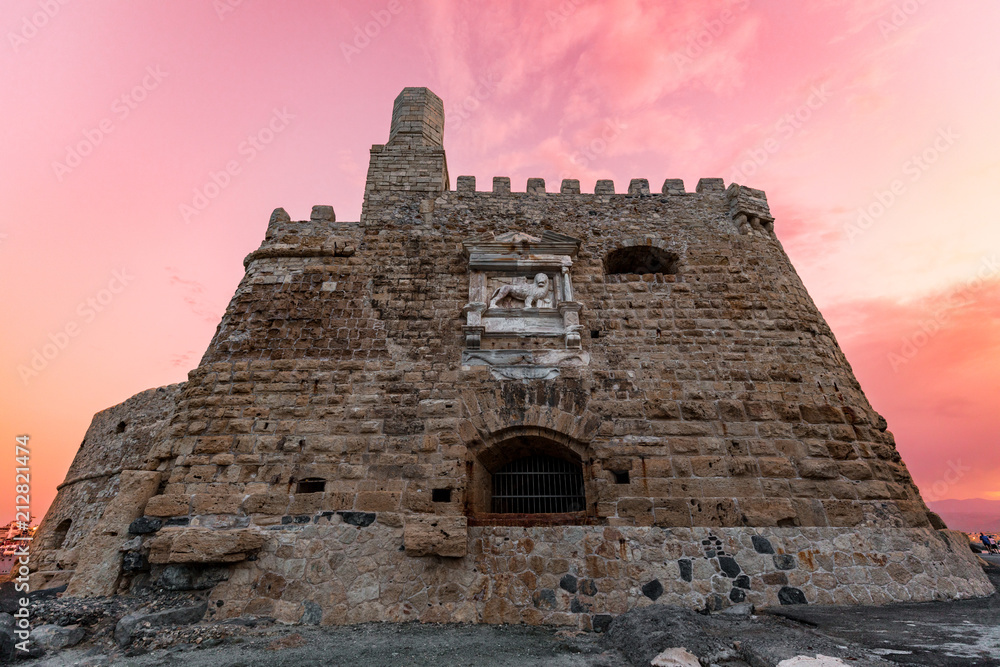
<point>831,107</point>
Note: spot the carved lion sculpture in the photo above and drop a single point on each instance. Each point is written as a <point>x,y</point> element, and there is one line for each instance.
<point>531,293</point>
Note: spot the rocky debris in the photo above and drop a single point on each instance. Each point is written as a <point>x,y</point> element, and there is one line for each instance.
<point>741,609</point>
<point>126,627</point>
<point>7,639</point>
<point>642,635</point>
<point>818,661</point>
<point>8,597</point>
<point>55,637</point>
<point>676,657</point>
<point>288,641</point>
<point>75,658</point>
<point>203,545</point>
<point>645,633</point>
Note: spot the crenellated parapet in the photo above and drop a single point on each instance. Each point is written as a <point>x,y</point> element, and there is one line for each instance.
<point>320,236</point>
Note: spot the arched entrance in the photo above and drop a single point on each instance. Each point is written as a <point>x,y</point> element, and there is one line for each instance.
<point>530,479</point>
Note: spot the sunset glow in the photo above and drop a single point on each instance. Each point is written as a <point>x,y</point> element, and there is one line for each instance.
<point>146,145</point>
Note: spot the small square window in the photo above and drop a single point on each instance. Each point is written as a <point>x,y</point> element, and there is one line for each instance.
<point>441,495</point>
<point>311,486</point>
<point>621,476</point>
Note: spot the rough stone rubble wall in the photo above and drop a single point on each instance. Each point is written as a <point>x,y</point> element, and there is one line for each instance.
<point>580,576</point>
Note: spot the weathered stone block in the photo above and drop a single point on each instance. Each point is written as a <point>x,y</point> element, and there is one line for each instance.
<point>215,503</point>
<point>436,536</point>
<point>266,503</point>
<point>204,545</point>
<point>99,560</point>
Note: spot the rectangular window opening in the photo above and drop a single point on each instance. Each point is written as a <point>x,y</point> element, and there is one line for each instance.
<point>311,486</point>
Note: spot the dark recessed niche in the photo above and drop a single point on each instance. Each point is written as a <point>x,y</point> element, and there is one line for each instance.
<point>641,260</point>
<point>621,476</point>
<point>441,495</point>
<point>121,427</point>
<point>594,333</point>
<point>311,485</point>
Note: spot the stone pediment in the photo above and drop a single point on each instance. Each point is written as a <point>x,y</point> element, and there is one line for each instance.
<point>548,248</point>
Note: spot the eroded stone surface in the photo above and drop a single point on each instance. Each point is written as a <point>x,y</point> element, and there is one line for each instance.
<point>98,558</point>
<point>436,536</point>
<point>201,545</point>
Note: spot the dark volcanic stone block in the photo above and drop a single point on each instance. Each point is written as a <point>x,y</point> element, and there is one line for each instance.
<point>789,595</point>
<point>652,589</point>
<point>761,545</point>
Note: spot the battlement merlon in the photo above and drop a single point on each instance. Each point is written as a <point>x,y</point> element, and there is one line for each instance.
<point>748,208</point>
<point>321,236</point>
<point>413,160</point>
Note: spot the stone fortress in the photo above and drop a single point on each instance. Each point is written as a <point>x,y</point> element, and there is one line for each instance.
<point>506,407</point>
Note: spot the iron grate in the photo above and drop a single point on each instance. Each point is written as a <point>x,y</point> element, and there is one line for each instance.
<point>538,485</point>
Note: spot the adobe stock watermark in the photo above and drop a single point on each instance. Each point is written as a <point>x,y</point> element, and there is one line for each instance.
<point>913,170</point>
<point>585,155</point>
<point>363,35</point>
<point>30,25</point>
<point>86,312</point>
<point>899,16</point>
<point>224,7</point>
<point>785,128</point>
<point>701,39</point>
<point>952,476</point>
<point>565,9</point>
<point>965,295</point>
<point>485,87</point>
<point>247,150</point>
<point>20,571</point>
<point>121,109</point>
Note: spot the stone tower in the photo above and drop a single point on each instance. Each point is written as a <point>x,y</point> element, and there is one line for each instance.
<point>496,406</point>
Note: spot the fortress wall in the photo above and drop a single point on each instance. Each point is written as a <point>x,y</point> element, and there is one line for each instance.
<point>581,576</point>
<point>119,438</point>
<point>721,388</point>
<point>335,448</point>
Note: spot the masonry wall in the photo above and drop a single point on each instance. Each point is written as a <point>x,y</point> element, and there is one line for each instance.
<point>119,438</point>
<point>715,385</point>
<point>720,389</point>
<point>335,572</point>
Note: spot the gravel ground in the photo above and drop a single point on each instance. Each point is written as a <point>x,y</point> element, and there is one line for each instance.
<point>374,645</point>
<point>953,634</point>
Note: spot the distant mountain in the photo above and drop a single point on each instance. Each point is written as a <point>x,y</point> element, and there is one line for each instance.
<point>971,516</point>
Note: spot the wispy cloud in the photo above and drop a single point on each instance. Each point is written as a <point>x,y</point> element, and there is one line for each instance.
<point>193,293</point>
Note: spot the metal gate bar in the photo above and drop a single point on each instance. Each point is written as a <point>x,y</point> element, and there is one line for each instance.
<point>538,485</point>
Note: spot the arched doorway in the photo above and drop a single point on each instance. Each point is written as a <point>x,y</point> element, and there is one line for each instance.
<point>530,479</point>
